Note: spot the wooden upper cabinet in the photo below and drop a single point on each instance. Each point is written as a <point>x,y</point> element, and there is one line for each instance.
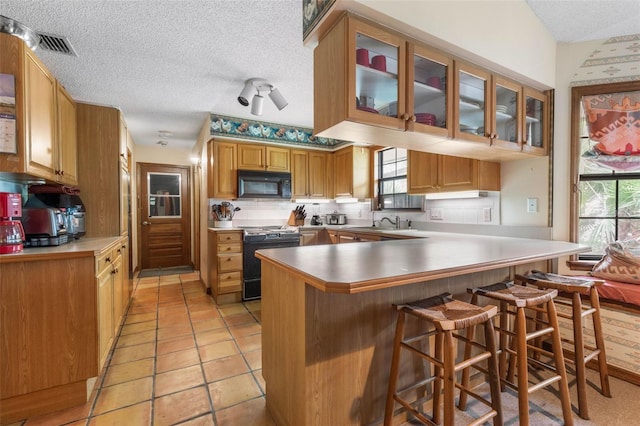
<point>40,118</point>
<point>67,137</point>
<point>124,138</point>
<point>309,174</point>
<point>263,157</point>
<point>429,92</point>
<point>535,122</point>
<point>428,173</point>
<point>44,117</point>
<point>351,169</point>
<point>472,104</point>
<point>375,84</point>
<point>222,169</point>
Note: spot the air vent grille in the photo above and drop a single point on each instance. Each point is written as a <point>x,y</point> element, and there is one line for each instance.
<point>56,43</point>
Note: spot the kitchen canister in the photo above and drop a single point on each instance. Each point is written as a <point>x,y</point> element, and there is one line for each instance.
<point>362,57</point>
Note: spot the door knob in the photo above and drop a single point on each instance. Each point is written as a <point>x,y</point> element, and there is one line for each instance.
<point>146,223</point>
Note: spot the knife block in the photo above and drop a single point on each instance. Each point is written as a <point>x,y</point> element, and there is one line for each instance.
<point>293,221</point>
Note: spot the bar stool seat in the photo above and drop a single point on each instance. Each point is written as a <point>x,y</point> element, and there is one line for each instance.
<point>446,315</point>
<point>516,300</point>
<point>574,288</point>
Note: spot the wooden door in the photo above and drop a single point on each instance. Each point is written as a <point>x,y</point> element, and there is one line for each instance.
<point>165,216</point>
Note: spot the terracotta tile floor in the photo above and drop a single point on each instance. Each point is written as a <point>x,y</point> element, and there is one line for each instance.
<point>179,359</point>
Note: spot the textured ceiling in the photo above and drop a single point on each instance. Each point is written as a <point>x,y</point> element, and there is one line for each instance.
<point>167,63</point>
<point>573,21</point>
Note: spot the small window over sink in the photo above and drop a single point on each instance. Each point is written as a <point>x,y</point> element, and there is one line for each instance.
<point>391,170</point>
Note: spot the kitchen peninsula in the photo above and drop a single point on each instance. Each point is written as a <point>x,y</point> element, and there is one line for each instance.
<point>327,319</point>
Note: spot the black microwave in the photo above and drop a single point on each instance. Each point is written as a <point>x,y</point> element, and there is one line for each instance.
<point>259,184</point>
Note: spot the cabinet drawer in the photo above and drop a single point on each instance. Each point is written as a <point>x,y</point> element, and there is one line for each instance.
<point>229,262</point>
<point>230,248</point>
<point>231,237</point>
<point>229,276</point>
<point>230,282</point>
<point>105,259</point>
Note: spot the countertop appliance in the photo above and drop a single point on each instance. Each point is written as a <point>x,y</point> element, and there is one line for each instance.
<point>336,218</point>
<point>65,198</point>
<point>315,220</point>
<point>11,232</point>
<point>259,184</point>
<point>261,238</point>
<point>44,227</point>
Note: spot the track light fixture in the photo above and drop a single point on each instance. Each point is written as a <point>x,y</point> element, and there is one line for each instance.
<point>257,86</point>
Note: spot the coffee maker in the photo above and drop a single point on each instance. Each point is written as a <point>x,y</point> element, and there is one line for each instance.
<point>11,232</point>
<point>64,198</point>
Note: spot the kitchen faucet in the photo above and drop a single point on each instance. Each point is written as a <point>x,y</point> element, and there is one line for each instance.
<point>396,223</point>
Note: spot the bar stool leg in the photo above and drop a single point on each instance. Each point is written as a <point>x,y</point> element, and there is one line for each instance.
<point>578,339</point>
<point>494,374</point>
<point>449,361</point>
<point>466,373</point>
<point>395,367</point>
<point>522,365</point>
<point>597,331</point>
<point>437,383</point>
<point>503,340</point>
<point>563,385</point>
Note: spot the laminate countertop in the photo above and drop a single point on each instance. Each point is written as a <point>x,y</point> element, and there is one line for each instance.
<point>85,246</point>
<point>359,267</point>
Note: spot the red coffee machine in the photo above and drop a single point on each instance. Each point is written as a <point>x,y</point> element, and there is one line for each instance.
<point>11,231</point>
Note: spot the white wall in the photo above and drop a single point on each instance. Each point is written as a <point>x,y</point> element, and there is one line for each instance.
<point>521,180</point>
<point>163,155</point>
<point>570,57</point>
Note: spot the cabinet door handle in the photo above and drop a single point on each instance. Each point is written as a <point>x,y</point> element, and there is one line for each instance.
<point>405,116</point>
<point>107,259</point>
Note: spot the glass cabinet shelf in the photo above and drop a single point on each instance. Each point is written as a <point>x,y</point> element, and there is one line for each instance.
<point>381,87</point>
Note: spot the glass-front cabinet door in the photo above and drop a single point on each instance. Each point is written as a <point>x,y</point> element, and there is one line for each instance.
<point>506,115</point>
<point>471,103</point>
<point>429,91</point>
<point>535,138</point>
<point>379,62</point>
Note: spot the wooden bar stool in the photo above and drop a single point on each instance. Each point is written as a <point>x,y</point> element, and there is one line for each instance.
<point>446,315</point>
<point>574,288</point>
<point>521,299</point>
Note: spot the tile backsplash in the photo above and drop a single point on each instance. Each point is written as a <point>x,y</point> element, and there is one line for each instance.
<point>471,211</point>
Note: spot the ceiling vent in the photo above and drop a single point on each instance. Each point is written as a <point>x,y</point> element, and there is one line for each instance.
<point>56,43</point>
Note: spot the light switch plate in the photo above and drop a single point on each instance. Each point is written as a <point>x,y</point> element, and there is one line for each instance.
<point>436,214</point>
<point>486,214</point>
<point>532,205</point>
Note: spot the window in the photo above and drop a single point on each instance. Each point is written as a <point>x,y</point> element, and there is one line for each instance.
<point>164,194</point>
<point>607,203</point>
<point>392,181</point>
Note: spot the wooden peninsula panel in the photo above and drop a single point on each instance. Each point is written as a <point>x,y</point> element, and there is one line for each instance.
<point>327,325</point>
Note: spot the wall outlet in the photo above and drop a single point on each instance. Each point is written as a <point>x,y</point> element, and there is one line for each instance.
<point>532,205</point>
<point>436,214</point>
<point>486,214</point>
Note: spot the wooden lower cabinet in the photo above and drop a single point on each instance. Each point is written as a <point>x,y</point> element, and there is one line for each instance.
<point>312,237</point>
<point>225,265</point>
<point>56,326</point>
